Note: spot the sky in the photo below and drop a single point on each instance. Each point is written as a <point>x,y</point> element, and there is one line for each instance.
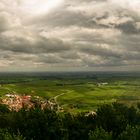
<point>69,35</point>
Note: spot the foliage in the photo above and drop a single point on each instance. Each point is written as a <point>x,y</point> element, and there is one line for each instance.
<point>110,122</point>
<point>131,133</point>
<point>6,135</point>
<point>100,134</point>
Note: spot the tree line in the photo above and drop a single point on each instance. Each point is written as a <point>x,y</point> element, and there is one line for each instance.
<point>111,122</point>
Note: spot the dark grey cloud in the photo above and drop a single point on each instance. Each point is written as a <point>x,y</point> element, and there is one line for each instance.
<point>128,27</point>
<point>38,45</point>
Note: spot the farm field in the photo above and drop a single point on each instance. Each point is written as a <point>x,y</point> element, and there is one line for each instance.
<point>82,92</point>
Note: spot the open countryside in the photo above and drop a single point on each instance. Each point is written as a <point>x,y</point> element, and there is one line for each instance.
<point>75,93</point>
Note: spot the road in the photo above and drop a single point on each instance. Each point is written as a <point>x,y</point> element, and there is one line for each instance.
<point>55,98</point>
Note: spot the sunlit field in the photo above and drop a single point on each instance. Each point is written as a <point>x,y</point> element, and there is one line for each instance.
<point>75,93</point>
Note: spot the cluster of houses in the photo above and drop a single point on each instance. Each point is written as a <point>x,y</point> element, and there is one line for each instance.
<point>16,102</point>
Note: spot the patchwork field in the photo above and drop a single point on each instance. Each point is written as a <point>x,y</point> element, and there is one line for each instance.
<point>76,93</point>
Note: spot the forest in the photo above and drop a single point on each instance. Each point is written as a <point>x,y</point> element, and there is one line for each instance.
<point>110,122</point>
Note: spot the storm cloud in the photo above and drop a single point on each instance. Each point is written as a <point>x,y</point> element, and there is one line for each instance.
<point>70,35</point>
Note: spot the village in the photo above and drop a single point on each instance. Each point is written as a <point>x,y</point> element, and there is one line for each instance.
<point>17,102</point>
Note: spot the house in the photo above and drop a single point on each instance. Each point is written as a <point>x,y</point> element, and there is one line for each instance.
<point>102,84</point>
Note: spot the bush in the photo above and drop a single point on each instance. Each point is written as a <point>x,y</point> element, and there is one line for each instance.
<point>5,135</point>
<point>131,133</point>
<point>100,134</point>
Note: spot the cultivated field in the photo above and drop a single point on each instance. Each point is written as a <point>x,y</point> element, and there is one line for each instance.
<point>76,92</point>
